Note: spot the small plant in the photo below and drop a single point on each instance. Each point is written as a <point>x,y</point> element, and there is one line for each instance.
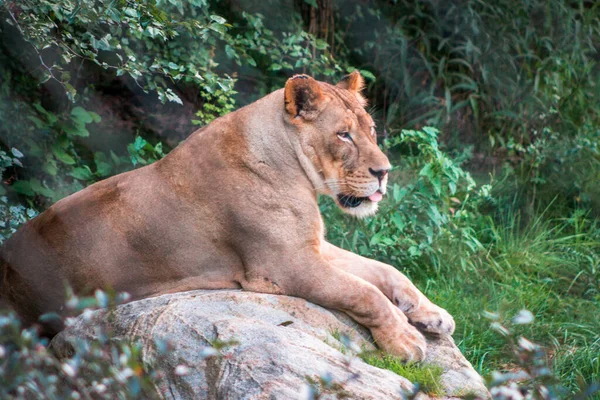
<point>98,369</point>
<point>530,376</point>
<point>425,377</point>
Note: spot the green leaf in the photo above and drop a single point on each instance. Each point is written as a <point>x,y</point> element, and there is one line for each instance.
<point>368,74</point>
<point>75,129</point>
<point>71,91</point>
<point>321,44</point>
<point>218,19</point>
<point>38,188</point>
<point>452,187</point>
<point>81,115</point>
<point>62,156</point>
<point>376,238</point>
<point>23,187</point>
<point>50,167</point>
<point>139,143</point>
<point>398,221</point>
<point>171,96</point>
<point>103,168</point>
<point>131,12</point>
<point>230,51</point>
<point>36,121</point>
<point>82,173</point>
<point>312,3</point>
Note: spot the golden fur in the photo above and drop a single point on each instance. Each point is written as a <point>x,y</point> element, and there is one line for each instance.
<point>234,206</point>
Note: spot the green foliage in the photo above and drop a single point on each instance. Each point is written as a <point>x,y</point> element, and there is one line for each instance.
<point>556,170</point>
<point>98,369</point>
<point>427,377</point>
<point>498,262</point>
<point>127,37</point>
<point>12,217</point>
<point>549,267</point>
<point>57,154</point>
<point>143,153</point>
<point>485,72</point>
<point>435,205</point>
<point>52,141</point>
<point>161,47</point>
<point>103,368</point>
<point>532,376</point>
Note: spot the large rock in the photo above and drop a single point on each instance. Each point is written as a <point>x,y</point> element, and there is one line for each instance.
<point>281,343</point>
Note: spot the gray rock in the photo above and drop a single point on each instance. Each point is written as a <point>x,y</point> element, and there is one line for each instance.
<point>281,343</point>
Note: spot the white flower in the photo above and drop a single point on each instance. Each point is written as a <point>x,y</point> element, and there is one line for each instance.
<point>87,314</point>
<point>72,302</point>
<point>101,298</point>
<point>208,352</point>
<point>497,327</point>
<point>69,370</point>
<point>100,388</point>
<point>491,315</point>
<point>523,317</point>
<point>510,392</point>
<point>122,376</point>
<point>526,344</point>
<point>182,370</point>
<point>123,359</point>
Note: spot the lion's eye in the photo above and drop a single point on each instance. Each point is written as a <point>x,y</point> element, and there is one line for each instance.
<point>345,136</point>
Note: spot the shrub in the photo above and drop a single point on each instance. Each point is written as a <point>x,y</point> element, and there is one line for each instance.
<point>431,204</point>
<point>101,369</point>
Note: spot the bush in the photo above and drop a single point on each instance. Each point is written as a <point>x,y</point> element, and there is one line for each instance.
<point>101,369</point>
<point>432,203</point>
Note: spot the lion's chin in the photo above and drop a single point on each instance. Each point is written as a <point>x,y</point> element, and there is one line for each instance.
<point>359,207</point>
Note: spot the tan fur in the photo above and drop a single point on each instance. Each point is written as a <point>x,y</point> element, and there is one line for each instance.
<point>234,206</point>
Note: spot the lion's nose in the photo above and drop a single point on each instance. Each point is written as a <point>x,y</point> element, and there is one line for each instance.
<point>379,173</point>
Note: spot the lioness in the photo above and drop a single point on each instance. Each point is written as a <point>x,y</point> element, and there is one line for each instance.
<point>234,206</point>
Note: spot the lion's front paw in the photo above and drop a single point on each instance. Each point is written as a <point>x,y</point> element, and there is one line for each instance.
<point>432,319</point>
<point>401,340</point>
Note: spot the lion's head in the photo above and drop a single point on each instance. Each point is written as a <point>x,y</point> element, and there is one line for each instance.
<point>338,141</point>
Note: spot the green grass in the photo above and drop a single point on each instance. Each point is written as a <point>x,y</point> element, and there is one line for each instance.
<point>426,376</point>
<point>546,264</point>
<point>550,267</point>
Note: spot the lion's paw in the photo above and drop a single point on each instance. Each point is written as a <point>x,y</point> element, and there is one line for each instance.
<point>402,341</point>
<point>433,320</point>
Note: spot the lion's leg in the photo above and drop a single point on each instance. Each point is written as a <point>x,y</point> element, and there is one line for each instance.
<point>420,311</point>
<point>321,283</point>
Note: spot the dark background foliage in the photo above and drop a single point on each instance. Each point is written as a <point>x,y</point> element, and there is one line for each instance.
<point>495,210</point>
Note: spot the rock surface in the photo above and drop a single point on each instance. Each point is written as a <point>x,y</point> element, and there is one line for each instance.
<point>281,343</point>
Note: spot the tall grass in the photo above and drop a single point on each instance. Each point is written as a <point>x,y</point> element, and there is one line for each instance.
<point>549,267</point>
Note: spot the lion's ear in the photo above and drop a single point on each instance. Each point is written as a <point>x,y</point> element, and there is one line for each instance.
<point>303,97</point>
<point>353,82</point>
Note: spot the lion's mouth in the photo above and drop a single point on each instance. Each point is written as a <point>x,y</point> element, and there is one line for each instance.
<point>350,201</point>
